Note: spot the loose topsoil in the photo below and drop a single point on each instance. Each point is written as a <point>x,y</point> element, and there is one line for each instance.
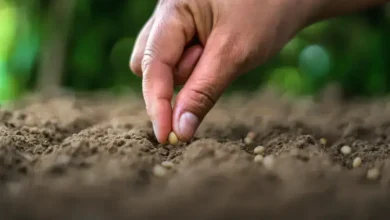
<point>97,158</point>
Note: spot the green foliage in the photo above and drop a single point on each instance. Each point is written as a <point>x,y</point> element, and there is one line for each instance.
<point>354,50</point>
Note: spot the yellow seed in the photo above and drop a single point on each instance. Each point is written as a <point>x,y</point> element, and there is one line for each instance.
<point>356,162</point>
<point>159,171</point>
<point>269,162</point>
<point>258,158</point>
<point>259,150</point>
<point>373,174</point>
<point>346,150</point>
<point>323,141</point>
<point>167,164</point>
<point>248,140</point>
<point>172,138</point>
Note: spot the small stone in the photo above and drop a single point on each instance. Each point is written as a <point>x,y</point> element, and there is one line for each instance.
<point>323,141</point>
<point>373,174</point>
<point>167,164</point>
<point>172,138</point>
<point>346,150</point>
<point>159,171</point>
<point>294,152</point>
<point>259,150</point>
<point>258,158</point>
<point>269,161</point>
<point>356,162</point>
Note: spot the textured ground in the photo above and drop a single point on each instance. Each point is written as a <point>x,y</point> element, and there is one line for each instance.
<point>96,158</point>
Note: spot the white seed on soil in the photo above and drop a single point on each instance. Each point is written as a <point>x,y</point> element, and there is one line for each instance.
<point>268,161</point>
<point>373,174</point>
<point>259,150</point>
<point>167,164</point>
<point>356,162</point>
<point>172,138</point>
<point>346,150</point>
<point>248,140</point>
<point>323,141</point>
<point>159,171</point>
<point>258,158</point>
<point>250,137</point>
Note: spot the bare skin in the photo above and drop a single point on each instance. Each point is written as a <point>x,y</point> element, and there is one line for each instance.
<point>231,37</point>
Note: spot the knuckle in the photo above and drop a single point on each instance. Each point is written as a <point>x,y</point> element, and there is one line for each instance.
<point>202,96</point>
<point>149,56</point>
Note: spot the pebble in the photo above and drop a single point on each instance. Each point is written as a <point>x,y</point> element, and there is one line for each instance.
<point>346,150</point>
<point>269,161</point>
<point>172,138</point>
<point>373,174</point>
<point>323,141</point>
<point>258,158</point>
<point>167,164</point>
<point>159,171</point>
<point>259,150</point>
<point>356,162</point>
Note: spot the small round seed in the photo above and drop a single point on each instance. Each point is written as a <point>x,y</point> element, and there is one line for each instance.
<point>356,162</point>
<point>323,141</point>
<point>248,140</point>
<point>172,138</point>
<point>346,150</point>
<point>250,137</point>
<point>258,158</point>
<point>373,174</point>
<point>269,161</point>
<point>259,150</point>
<point>167,164</point>
<point>159,171</point>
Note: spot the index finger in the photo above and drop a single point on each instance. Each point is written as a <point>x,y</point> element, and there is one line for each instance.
<point>164,48</point>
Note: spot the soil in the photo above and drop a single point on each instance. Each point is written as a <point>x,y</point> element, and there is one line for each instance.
<point>95,157</point>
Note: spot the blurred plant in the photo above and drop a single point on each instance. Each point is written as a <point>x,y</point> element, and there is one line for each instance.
<point>86,45</point>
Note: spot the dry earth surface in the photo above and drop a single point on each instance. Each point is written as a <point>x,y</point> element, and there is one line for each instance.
<point>95,157</point>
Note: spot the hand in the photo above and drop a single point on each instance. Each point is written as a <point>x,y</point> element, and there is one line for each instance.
<point>205,45</point>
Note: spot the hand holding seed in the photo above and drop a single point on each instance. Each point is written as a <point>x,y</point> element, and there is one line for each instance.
<point>205,45</point>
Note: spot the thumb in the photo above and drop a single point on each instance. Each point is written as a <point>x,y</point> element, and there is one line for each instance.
<point>216,69</point>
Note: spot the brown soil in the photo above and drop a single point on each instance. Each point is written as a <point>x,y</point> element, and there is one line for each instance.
<point>94,158</point>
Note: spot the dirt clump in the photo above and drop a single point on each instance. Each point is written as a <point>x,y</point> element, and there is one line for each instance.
<point>265,156</point>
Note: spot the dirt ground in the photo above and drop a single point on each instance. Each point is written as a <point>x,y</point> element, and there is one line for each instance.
<point>96,158</point>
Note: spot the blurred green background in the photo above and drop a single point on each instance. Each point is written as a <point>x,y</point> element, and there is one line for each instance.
<point>85,46</point>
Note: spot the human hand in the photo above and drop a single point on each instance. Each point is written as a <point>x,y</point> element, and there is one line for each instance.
<point>231,37</point>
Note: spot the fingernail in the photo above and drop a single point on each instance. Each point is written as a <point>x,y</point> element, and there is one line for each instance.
<point>188,124</point>
<point>155,129</point>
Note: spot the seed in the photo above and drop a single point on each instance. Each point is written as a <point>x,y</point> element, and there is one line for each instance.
<point>373,174</point>
<point>346,150</point>
<point>167,164</point>
<point>259,150</point>
<point>159,171</point>
<point>323,141</point>
<point>172,138</point>
<point>357,162</point>
<point>258,158</point>
<point>248,140</point>
<point>250,137</point>
<point>269,162</point>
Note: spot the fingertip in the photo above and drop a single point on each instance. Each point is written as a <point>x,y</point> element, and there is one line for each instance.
<point>162,120</point>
